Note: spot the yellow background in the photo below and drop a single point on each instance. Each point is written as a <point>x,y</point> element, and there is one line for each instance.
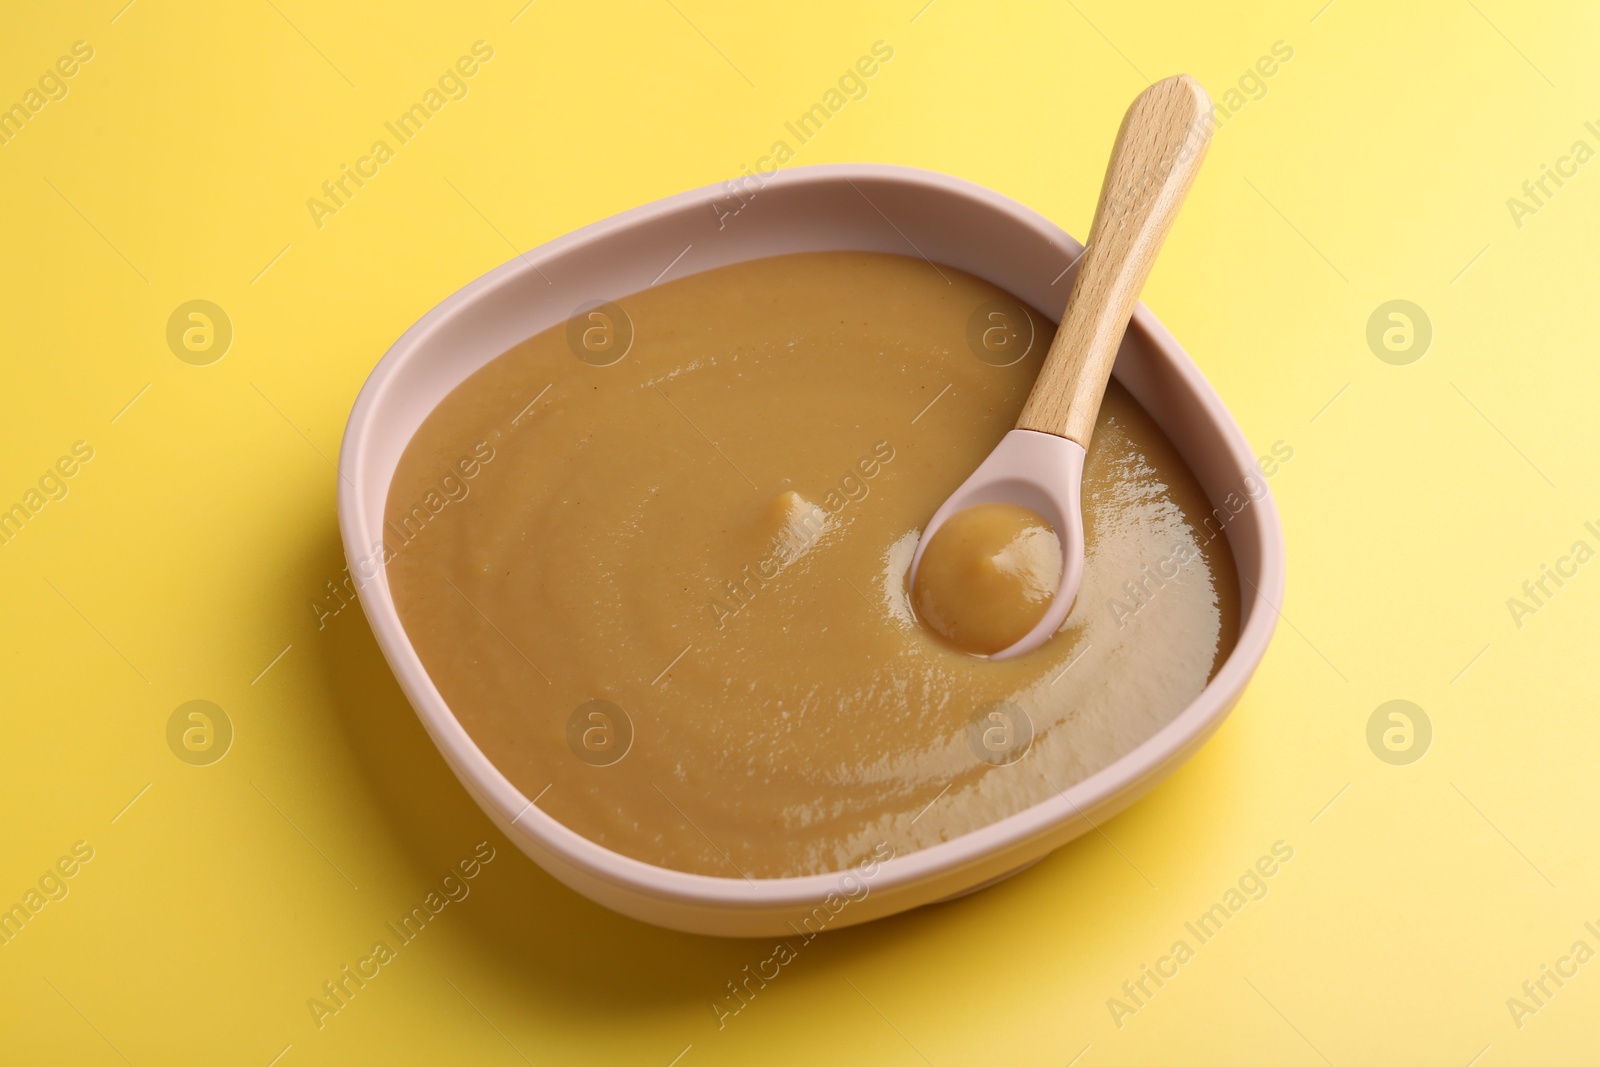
<point>186,555</point>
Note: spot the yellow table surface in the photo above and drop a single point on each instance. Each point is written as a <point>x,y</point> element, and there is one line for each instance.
<point>183,562</point>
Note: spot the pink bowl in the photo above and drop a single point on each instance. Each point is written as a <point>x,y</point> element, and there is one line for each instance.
<point>861,207</point>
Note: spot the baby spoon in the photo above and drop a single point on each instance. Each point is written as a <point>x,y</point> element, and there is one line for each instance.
<point>1039,465</point>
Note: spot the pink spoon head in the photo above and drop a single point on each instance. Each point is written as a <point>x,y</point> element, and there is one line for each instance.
<point>1043,473</point>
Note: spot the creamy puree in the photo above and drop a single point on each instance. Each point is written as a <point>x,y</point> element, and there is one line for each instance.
<point>667,596</point>
<point>988,576</point>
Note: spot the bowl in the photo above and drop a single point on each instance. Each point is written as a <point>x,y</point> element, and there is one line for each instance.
<point>845,207</point>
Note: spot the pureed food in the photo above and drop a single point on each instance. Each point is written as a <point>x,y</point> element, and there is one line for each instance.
<point>987,577</point>
<point>667,596</point>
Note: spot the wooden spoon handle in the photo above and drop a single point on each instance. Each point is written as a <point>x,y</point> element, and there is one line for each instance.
<point>1158,152</point>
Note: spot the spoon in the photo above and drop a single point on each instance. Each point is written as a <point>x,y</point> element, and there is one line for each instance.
<point>1039,465</point>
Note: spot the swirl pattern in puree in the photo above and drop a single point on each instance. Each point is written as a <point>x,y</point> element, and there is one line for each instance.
<point>711,536</point>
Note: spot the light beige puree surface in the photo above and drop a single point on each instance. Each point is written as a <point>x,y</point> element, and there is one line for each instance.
<point>667,597</point>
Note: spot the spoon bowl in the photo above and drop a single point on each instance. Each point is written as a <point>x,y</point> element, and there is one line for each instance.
<point>1043,473</point>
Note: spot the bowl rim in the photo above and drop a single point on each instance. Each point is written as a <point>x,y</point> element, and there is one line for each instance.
<point>512,810</point>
